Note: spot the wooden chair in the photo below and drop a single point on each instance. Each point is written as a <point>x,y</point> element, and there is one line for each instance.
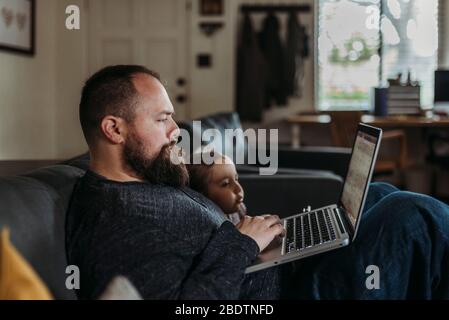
<point>344,127</point>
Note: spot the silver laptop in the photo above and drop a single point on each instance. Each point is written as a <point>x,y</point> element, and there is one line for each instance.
<point>334,226</point>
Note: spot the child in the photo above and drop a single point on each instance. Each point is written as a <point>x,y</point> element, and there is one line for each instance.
<point>219,182</point>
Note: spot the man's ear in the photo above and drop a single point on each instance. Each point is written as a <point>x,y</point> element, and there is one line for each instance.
<point>114,129</point>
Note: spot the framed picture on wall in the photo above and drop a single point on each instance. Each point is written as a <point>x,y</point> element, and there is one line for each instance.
<point>211,7</point>
<point>17,26</point>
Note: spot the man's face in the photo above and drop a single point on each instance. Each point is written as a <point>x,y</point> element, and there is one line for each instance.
<point>152,136</point>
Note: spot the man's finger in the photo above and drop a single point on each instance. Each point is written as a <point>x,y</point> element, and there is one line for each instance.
<point>277,230</point>
<point>271,220</point>
<point>284,232</point>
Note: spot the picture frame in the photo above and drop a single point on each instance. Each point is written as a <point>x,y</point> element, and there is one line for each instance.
<point>211,7</point>
<point>17,26</point>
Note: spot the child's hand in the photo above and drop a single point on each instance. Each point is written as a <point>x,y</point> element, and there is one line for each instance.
<point>242,210</point>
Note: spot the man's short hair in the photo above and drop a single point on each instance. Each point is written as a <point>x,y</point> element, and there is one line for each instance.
<point>110,91</point>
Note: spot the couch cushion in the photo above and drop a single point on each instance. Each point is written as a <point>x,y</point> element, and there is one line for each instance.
<point>33,207</point>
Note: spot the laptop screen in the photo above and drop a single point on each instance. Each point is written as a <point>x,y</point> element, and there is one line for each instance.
<point>359,172</point>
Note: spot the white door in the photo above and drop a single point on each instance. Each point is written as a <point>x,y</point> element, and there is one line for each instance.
<point>152,33</point>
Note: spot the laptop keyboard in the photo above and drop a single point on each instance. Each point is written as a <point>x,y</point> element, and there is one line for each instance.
<point>308,230</point>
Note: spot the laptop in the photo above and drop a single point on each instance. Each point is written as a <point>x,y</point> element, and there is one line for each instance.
<point>333,226</point>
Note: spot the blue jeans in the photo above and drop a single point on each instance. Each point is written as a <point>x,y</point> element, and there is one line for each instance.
<point>405,235</point>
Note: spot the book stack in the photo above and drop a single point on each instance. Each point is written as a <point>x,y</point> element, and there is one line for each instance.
<point>404,99</point>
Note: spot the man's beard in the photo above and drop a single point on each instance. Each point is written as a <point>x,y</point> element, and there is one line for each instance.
<point>159,170</point>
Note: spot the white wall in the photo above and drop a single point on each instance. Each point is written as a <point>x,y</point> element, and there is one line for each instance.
<point>39,94</point>
<point>212,89</point>
<point>72,71</point>
<point>27,94</point>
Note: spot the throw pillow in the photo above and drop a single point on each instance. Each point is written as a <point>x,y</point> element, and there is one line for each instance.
<point>18,280</point>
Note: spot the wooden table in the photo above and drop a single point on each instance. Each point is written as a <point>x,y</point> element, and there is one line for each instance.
<point>297,120</point>
<point>400,121</point>
<point>407,121</point>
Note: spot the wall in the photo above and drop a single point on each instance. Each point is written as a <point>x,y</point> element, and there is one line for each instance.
<point>72,71</point>
<point>40,94</point>
<point>27,91</point>
<point>212,89</point>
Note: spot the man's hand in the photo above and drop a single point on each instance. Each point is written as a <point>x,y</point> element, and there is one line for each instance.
<point>262,229</point>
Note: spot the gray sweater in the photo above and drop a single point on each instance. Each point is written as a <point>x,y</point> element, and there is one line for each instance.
<point>172,243</point>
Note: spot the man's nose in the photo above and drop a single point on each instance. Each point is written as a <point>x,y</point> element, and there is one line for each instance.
<point>174,132</point>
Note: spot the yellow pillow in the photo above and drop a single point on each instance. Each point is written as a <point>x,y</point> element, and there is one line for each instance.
<point>18,280</point>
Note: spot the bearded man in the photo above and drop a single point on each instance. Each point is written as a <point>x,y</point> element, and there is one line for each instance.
<point>132,214</point>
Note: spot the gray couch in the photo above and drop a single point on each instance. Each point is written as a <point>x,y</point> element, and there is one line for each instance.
<point>33,205</point>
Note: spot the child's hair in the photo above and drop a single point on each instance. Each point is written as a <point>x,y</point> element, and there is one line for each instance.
<point>199,173</point>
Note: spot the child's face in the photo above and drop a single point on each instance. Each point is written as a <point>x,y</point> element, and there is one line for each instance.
<point>224,188</point>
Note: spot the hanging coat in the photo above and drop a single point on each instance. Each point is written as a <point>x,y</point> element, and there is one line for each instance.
<point>251,75</point>
<point>297,51</point>
<point>274,53</point>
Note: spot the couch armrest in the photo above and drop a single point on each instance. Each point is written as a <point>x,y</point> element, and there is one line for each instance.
<point>316,158</point>
<point>288,195</point>
<point>329,159</point>
<point>253,169</point>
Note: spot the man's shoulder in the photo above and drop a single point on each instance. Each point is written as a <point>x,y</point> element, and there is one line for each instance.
<point>145,199</point>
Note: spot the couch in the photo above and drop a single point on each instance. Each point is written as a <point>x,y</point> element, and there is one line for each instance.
<point>306,160</point>
<point>33,207</point>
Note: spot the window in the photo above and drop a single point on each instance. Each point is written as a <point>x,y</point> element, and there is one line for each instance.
<point>362,44</point>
